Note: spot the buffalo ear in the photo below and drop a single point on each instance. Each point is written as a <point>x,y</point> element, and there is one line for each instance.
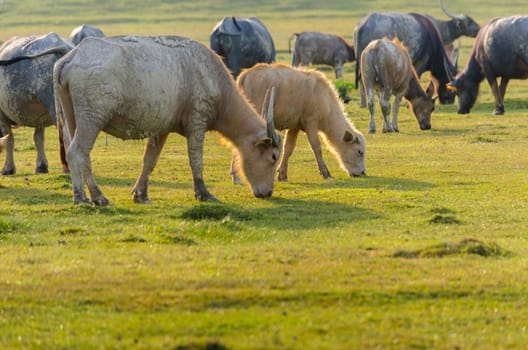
<point>431,88</point>
<point>265,142</point>
<point>453,86</point>
<point>350,137</point>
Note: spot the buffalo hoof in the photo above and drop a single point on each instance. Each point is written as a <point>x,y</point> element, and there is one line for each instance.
<point>205,197</point>
<point>101,201</point>
<point>141,199</point>
<point>498,111</point>
<point>9,171</point>
<point>78,200</point>
<point>41,169</point>
<point>282,177</point>
<point>372,131</point>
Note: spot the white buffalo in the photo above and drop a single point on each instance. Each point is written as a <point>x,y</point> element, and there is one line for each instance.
<point>135,87</point>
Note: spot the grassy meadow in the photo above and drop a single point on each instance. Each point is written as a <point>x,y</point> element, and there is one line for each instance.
<point>428,251</point>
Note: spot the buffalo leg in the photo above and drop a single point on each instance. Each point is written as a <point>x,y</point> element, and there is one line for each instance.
<point>313,138</point>
<point>395,111</point>
<point>338,71</point>
<point>362,94</point>
<point>371,107</point>
<point>195,143</point>
<point>499,105</point>
<point>503,86</point>
<point>9,144</point>
<point>290,139</point>
<point>150,158</point>
<point>384,100</point>
<point>498,94</point>
<point>78,157</point>
<point>42,162</point>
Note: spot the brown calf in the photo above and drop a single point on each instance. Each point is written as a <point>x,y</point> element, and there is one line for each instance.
<point>386,67</point>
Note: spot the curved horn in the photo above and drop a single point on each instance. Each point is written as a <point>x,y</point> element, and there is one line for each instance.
<point>267,112</point>
<point>448,69</point>
<point>449,14</point>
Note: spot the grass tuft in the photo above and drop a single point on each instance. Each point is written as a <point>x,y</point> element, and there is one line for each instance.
<point>133,239</point>
<point>7,226</point>
<point>484,139</point>
<point>464,247</point>
<point>343,87</point>
<point>198,346</point>
<point>65,231</point>
<point>444,219</point>
<point>174,238</point>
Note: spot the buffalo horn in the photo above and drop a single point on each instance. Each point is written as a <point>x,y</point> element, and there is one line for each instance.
<point>448,69</point>
<point>447,12</point>
<point>267,112</point>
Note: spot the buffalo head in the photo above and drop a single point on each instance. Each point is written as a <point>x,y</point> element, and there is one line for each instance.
<point>467,92</point>
<point>259,160</point>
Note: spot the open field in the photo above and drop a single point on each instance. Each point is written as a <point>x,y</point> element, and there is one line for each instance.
<point>429,251</point>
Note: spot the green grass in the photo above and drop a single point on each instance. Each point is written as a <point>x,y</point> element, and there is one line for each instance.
<point>429,251</point>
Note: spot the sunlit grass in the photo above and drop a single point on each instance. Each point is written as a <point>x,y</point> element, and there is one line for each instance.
<point>314,267</point>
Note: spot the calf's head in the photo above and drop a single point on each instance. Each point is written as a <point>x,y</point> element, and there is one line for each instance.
<point>350,151</point>
<point>423,106</point>
<point>260,158</point>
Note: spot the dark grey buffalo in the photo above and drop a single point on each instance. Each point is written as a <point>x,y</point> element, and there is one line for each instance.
<point>84,31</point>
<point>422,40</point>
<point>321,48</point>
<point>26,91</point>
<point>500,50</point>
<point>242,43</point>
<point>457,26</point>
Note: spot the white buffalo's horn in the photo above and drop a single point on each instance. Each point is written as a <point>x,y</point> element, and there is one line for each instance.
<point>267,112</point>
<point>449,14</point>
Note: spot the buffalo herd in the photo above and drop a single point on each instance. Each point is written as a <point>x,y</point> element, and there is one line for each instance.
<point>120,85</point>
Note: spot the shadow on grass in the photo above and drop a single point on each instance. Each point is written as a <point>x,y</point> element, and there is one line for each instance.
<point>32,196</point>
<point>285,213</point>
<point>366,182</point>
<point>510,105</point>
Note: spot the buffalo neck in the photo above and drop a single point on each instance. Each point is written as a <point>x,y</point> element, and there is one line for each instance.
<point>473,70</point>
<point>238,121</point>
<point>334,128</point>
<point>415,89</point>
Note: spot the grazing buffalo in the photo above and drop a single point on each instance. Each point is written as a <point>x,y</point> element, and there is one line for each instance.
<point>242,43</point>
<point>321,48</point>
<point>500,50</point>
<point>84,31</point>
<point>26,91</point>
<point>386,67</point>
<point>307,101</point>
<point>422,40</point>
<point>457,26</point>
<point>135,87</point>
